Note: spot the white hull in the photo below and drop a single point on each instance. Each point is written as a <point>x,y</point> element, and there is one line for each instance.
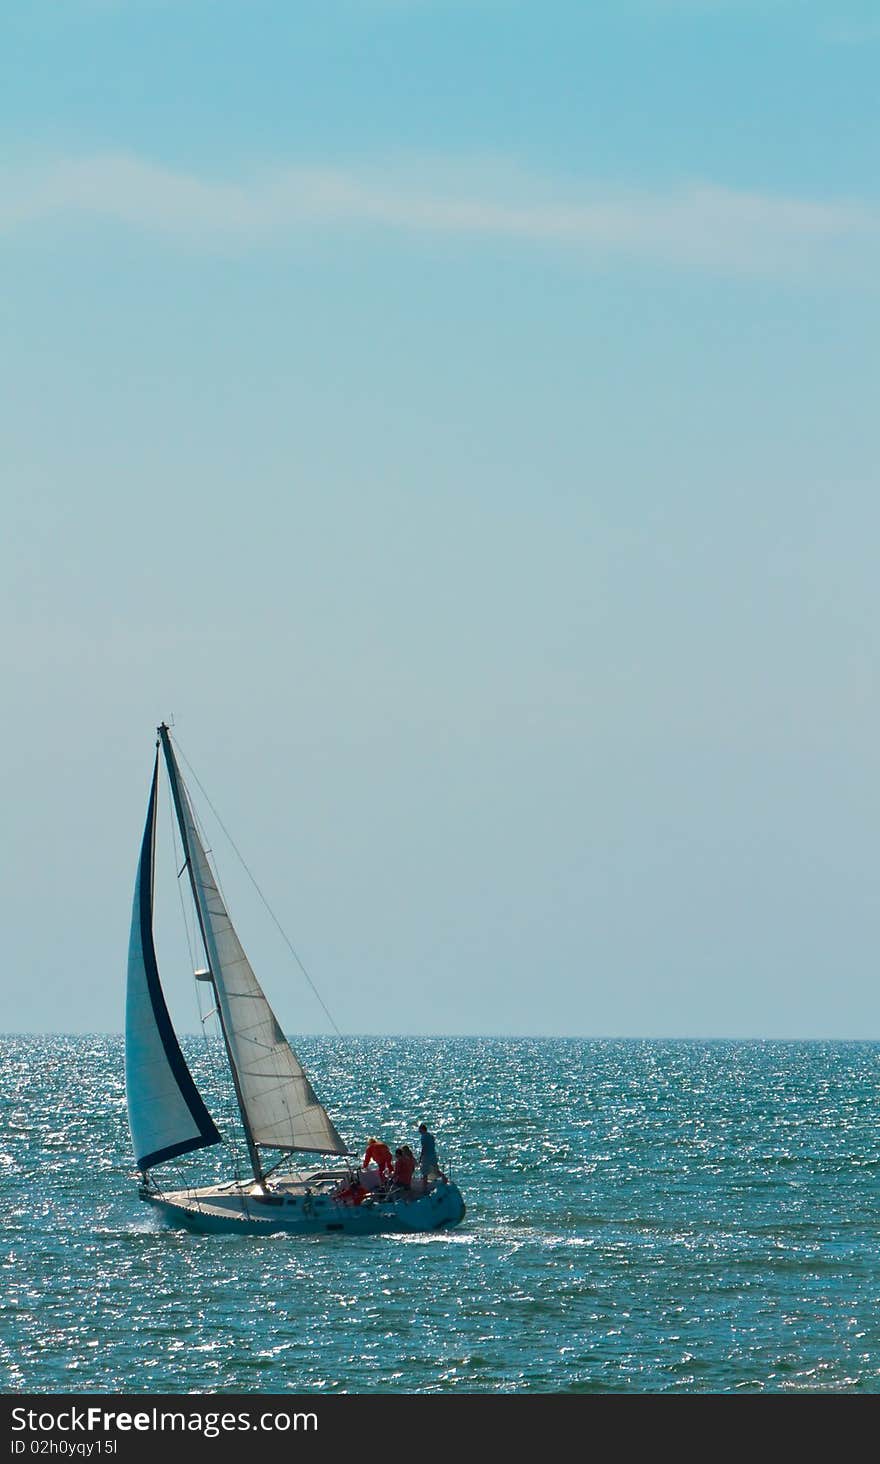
<point>305,1207</point>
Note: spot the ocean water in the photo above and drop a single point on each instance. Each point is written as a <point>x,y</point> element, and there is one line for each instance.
<point>642,1217</point>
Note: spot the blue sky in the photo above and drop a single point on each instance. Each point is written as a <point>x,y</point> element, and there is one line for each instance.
<point>462,419</point>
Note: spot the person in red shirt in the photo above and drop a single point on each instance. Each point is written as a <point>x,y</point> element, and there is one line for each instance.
<point>351,1191</point>
<point>404,1164</point>
<point>382,1155</point>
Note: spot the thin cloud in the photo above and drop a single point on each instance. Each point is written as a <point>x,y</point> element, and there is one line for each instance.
<point>703,225</point>
<point>852,33</point>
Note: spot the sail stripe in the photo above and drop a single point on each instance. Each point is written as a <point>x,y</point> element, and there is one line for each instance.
<point>166,1113</point>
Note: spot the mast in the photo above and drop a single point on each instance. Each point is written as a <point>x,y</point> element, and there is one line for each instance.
<point>210,951</point>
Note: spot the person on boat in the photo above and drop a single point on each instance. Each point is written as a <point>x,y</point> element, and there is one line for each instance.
<point>382,1155</point>
<point>404,1166</point>
<point>428,1155</point>
<point>351,1191</point>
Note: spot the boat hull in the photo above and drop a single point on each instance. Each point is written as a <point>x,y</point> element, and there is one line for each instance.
<point>301,1211</point>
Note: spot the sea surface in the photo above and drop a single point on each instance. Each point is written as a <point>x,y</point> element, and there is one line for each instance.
<point>651,1217</point>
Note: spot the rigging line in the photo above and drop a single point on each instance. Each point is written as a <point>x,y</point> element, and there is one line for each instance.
<point>268,907</point>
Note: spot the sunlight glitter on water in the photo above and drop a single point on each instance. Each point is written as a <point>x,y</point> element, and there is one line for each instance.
<point>641,1217</point>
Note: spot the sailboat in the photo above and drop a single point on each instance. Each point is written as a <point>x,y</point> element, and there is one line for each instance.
<point>281,1117</point>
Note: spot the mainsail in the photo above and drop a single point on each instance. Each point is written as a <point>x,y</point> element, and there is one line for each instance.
<point>166,1114</point>
<point>277,1101</point>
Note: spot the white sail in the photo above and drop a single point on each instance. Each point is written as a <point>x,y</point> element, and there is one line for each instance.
<point>278,1101</point>
<point>166,1114</point>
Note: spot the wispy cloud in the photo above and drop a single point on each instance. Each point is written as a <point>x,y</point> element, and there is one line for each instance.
<point>842,32</point>
<point>701,225</point>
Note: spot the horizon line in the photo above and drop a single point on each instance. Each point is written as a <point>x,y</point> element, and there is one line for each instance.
<point>479,1036</point>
